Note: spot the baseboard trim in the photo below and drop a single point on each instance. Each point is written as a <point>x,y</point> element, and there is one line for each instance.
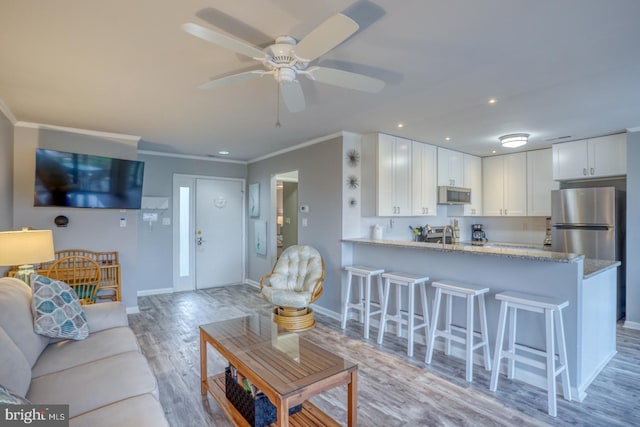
<point>631,325</point>
<point>252,283</point>
<point>147,292</point>
<point>326,312</point>
<point>133,310</point>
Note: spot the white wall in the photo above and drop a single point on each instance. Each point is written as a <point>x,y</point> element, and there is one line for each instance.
<point>6,177</point>
<point>633,230</point>
<point>92,229</point>
<point>155,242</point>
<point>319,169</point>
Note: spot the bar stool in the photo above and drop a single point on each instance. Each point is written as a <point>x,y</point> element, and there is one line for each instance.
<point>469,292</point>
<point>364,303</point>
<point>410,281</point>
<point>511,302</point>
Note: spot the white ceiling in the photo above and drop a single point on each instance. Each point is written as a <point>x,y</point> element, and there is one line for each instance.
<point>556,68</point>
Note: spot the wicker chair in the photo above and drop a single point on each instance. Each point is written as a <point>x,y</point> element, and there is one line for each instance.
<point>81,273</point>
<point>295,282</point>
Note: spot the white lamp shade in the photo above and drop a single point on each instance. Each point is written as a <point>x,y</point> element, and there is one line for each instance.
<point>26,247</point>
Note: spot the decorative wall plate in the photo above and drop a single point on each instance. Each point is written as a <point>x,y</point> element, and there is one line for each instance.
<point>353,158</point>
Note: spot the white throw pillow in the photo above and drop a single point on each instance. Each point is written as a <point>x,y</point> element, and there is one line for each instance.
<point>57,312</point>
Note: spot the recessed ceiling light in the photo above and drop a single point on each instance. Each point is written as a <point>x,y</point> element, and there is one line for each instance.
<point>223,152</point>
<point>492,101</point>
<point>400,125</point>
<point>447,139</point>
<point>493,152</point>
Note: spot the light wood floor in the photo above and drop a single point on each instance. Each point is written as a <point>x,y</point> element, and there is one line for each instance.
<point>393,390</point>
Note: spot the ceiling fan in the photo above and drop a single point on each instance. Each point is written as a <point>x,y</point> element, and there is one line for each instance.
<point>288,58</point>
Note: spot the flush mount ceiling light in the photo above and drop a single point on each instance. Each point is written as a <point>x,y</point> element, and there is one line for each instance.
<point>514,140</point>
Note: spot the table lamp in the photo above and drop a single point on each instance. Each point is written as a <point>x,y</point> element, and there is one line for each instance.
<point>24,248</point>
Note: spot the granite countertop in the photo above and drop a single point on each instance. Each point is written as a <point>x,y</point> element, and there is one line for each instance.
<point>596,266</point>
<point>591,267</point>
<point>509,250</point>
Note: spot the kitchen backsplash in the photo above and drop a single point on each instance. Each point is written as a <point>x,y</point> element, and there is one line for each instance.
<point>530,230</point>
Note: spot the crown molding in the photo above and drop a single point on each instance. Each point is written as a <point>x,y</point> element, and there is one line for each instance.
<point>4,109</point>
<point>190,157</point>
<point>297,147</point>
<point>127,139</point>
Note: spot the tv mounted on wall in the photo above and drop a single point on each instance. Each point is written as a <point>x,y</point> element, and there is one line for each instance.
<point>87,181</point>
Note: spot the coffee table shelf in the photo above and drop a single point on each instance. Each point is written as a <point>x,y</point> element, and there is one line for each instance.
<point>310,414</point>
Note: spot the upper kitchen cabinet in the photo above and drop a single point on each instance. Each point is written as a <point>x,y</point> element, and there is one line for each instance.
<point>386,175</point>
<point>472,178</point>
<point>540,182</point>
<point>504,185</point>
<point>423,169</point>
<point>450,167</point>
<point>590,158</point>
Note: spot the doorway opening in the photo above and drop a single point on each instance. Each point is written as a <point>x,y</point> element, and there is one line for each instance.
<point>285,234</point>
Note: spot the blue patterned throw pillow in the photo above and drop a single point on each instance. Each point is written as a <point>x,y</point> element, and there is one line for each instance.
<point>57,312</point>
<point>9,398</point>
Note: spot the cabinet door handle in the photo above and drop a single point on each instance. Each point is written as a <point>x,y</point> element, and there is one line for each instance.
<point>592,171</point>
<point>426,210</point>
<point>505,212</point>
<point>584,171</point>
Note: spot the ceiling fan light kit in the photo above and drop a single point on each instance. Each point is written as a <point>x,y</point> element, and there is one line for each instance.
<point>514,140</point>
<point>288,58</point>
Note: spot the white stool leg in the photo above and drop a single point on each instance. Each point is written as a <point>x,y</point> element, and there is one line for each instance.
<point>562,354</point>
<point>434,325</point>
<point>447,326</point>
<point>398,308</point>
<point>486,351</point>
<point>345,307</point>
<point>383,314</point>
<point>410,319</point>
<point>425,310</point>
<point>367,306</point>
<point>469,340</point>
<point>495,371</point>
<point>361,297</point>
<point>551,365</point>
<point>513,324</point>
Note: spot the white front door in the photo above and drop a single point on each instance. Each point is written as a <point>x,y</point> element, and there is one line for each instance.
<point>218,232</point>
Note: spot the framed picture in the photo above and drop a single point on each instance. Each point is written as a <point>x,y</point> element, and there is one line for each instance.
<point>254,200</point>
<point>261,237</point>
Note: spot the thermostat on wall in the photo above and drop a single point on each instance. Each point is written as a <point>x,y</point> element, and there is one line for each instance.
<point>304,208</point>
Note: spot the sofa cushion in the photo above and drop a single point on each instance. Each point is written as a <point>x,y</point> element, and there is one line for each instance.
<point>16,318</point>
<point>139,411</point>
<point>9,398</point>
<point>15,371</point>
<point>96,384</point>
<point>106,315</point>
<point>68,353</point>
<point>57,312</point>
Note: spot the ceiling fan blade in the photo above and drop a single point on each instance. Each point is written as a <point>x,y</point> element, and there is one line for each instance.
<point>235,78</point>
<point>224,40</point>
<point>345,79</point>
<point>293,96</point>
<point>325,37</point>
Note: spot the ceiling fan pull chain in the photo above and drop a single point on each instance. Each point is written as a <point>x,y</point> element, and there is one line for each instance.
<point>278,105</point>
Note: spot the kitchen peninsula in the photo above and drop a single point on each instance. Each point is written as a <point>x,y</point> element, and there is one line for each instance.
<point>589,286</point>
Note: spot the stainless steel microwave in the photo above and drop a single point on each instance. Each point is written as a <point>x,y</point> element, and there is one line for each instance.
<point>454,195</point>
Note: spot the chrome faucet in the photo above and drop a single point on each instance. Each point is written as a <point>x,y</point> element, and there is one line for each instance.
<point>444,234</point>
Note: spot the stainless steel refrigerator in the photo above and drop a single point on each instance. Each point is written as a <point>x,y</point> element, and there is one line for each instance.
<point>591,221</point>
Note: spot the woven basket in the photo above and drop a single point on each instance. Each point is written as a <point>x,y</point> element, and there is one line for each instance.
<point>258,410</point>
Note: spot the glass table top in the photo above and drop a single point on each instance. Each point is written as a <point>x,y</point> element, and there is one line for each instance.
<point>286,360</point>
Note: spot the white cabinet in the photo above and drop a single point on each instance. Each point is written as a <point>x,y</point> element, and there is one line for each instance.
<point>590,158</point>
<point>472,178</point>
<point>504,181</point>
<point>386,175</point>
<point>540,182</point>
<point>450,167</point>
<point>424,189</point>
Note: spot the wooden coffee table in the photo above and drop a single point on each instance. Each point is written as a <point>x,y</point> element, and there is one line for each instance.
<point>284,365</point>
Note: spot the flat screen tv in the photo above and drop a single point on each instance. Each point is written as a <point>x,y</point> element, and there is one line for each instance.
<point>87,181</point>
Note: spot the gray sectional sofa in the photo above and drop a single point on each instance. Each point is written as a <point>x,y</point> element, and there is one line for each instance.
<point>105,379</point>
